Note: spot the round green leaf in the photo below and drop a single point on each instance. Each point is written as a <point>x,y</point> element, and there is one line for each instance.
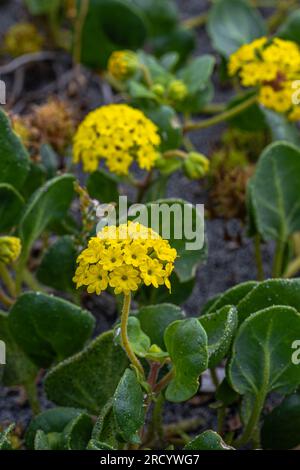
<point>78,432</point>
<point>281,428</point>
<point>128,406</point>
<point>220,328</point>
<point>154,319</point>
<point>88,379</point>
<point>48,328</point>
<point>232,23</point>
<point>208,440</point>
<point>48,203</point>
<point>11,205</point>
<point>14,161</point>
<point>275,191</point>
<point>58,265</point>
<point>268,293</point>
<point>231,297</point>
<point>290,28</point>
<point>262,353</point>
<point>186,343</point>
<point>140,342</point>
<point>103,186</point>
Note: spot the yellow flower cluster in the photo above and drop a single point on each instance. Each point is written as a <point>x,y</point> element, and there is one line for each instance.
<point>22,38</point>
<point>10,249</point>
<point>124,258</point>
<point>123,64</point>
<point>272,65</point>
<point>119,135</point>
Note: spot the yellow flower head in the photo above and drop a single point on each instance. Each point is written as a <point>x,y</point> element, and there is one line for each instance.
<point>177,90</point>
<point>124,258</point>
<point>123,64</point>
<point>119,135</point>
<point>22,38</point>
<point>271,66</point>
<point>10,249</point>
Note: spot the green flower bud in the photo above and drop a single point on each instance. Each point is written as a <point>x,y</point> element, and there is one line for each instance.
<point>10,249</point>
<point>177,90</point>
<point>196,165</point>
<point>168,165</point>
<point>123,64</point>
<point>158,89</point>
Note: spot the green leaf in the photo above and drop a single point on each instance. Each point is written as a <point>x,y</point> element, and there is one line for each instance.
<point>232,23</point>
<point>281,428</point>
<point>14,162</point>
<point>48,203</point>
<point>290,28</point>
<point>35,179</point>
<point>268,293</point>
<point>50,160</point>
<point>138,91</point>
<point>281,128</point>
<point>105,429</point>
<point>110,25</point>
<point>161,17</point>
<point>220,328</point>
<point>186,343</point>
<point>95,445</point>
<point>181,291</point>
<point>11,205</point>
<point>208,440</point>
<point>197,74</point>
<point>225,393</point>
<point>251,119</point>
<point>89,378</point>
<point>77,433</point>
<point>41,441</point>
<point>181,40</point>
<point>128,406</point>
<point>154,319</point>
<point>103,186</point>
<point>231,297</point>
<point>5,442</point>
<point>42,7</point>
<point>48,328</point>
<point>277,204</point>
<point>140,342</point>
<point>50,421</point>
<point>58,265</point>
<point>169,126</point>
<point>187,239</point>
<point>19,370</point>
<point>262,354</point>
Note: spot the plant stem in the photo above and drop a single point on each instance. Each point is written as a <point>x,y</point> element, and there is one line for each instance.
<point>125,341</point>
<point>292,268</point>
<point>31,282</point>
<point>5,300</point>
<point>175,153</point>
<point>31,391</point>
<point>278,259</point>
<point>221,418</point>
<point>258,258</point>
<point>252,423</point>
<point>146,74</point>
<point>214,377</point>
<point>79,23</point>
<point>195,21</point>
<point>164,382</point>
<point>228,114</point>
<point>8,280</point>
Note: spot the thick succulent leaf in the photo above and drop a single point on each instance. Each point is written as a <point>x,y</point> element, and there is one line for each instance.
<point>281,128</point>
<point>281,428</point>
<point>11,205</point>
<point>19,369</point>
<point>41,441</point>
<point>88,379</point>
<point>290,28</point>
<point>262,351</point>
<point>128,407</point>
<point>277,204</point>
<point>167,121</point>
<point>105,429</point>
<point>220,328</point>
<point>186,343</point>
<point>232,296</point>
<point>96,445</point>
<point>154,320</point>
<point>50,421</point>
<point>232,23</point>
<point>139,341</point>
<point>208,440</point>
<point>5,442</point>
<point>58,265</point>
<point>45,206</point>
<point>103,186</point>
<point>269,293</point>
<point>14,161</point>
<point>48,328</point>
<point>197,74</point>
<point>78,432</point>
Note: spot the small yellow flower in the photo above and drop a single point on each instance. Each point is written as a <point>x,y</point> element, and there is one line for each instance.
<point>10,249</point>
<point>119,135</point>
<point>123,64</point>
<point>123,258</point>
<point>22,38</point>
